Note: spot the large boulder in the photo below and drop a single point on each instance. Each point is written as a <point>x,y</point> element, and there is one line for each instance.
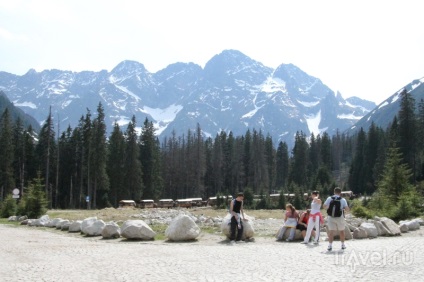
<point>137,229</point>
<point>360,233</point>
<point>370,228</point>
<point>412,224</point>
<point>95,229</point>
<point>390,225</point>
<point>248,230</point>
<point>54,222</point>
<point>75,226</point>
<point>111,231</point>
<point>86,223</point>
<point>403,228</point>
<point>419,220</point>
<point>13,218</point>
<point>182,228</point>
<point>40,222</point>
<point>381,229</point>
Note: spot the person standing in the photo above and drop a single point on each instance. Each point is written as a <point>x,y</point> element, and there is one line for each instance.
<point>336,207</point>
<point>315,219</point>
<point>236,211</point>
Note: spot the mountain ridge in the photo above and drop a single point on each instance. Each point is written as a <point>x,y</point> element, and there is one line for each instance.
<point>232,93</point>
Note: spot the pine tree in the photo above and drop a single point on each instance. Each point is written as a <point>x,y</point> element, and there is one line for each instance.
<point>396,177</point>
<point>115,166</point>
<point>282,166</point>
<point>150,159</point>
<point>408,130</point>
<point>98,159</point>
<point>7,182</point>
<point>35,200</point>
<point>132,165</point>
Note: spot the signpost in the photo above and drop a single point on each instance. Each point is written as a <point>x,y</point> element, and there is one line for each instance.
<point>15,193</point>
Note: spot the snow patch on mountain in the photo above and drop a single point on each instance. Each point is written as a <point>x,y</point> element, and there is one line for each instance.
<point>25,104</point>
<point>308,104</point>
<point>124,89</point>
<point>272,85</point>
<point>349,116</point>
<point>313,122</point>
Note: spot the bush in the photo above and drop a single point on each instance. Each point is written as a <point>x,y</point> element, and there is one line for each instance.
<point>361,211</point>
<point>9,207</point>
<point>35,200</point>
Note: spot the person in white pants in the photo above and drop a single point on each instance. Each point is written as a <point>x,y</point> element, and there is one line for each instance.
<point>315,218</point>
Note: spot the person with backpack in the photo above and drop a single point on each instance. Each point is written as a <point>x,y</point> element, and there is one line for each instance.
<point>315,219</point>
<point>236,211</point>
<point>336,206</point>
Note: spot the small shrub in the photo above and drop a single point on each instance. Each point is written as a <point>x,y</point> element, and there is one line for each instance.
<point>9,207</point>
<point>361,211</point>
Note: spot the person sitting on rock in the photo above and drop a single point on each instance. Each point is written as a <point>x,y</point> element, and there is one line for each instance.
<point>302,225</point>
<point>290,221</point>
<point>236,211</point>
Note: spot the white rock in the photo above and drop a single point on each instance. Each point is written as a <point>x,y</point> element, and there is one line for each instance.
<point>86,223</point>
<point>390,225</point>
<point>75,226</point>
<point>403,228</point>
<point>137,229</point>
<point>95,229</point>
<point>370,228</point>
<point>182,228</point>
<point>111,231</point>
<point>360,233</point>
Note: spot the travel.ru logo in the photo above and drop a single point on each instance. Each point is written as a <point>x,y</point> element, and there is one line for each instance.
<point>354,259</point>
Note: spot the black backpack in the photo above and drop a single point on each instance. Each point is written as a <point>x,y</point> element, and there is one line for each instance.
<point>334,209</point>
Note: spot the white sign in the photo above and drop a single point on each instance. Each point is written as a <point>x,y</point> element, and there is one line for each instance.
<point>87,199</point>
<point>15,191</point>
<point>15,196</point>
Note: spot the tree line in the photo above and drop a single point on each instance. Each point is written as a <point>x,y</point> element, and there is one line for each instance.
<point>83,168</point>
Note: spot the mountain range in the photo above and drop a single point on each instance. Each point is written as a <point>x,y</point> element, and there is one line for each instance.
<point>231,93</point>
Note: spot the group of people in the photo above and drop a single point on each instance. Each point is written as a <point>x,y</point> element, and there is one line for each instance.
<point>309,222</point>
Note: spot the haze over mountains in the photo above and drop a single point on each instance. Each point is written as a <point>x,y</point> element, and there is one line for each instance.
<point>232,93</point>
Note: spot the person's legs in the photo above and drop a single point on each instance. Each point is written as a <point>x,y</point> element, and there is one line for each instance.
<point>292,233</point>
<point>233,228</point>
<point>317,228</point>
<point>309,230</point>
<point>282,231</point>
<point>239,231</point>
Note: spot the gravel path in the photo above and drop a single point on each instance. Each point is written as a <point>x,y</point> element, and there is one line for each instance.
<point>31,254</point>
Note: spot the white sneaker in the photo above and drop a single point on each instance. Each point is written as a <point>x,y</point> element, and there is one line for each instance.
<point>343,246</point>
<point>329,248</point>
<point>303,242</point>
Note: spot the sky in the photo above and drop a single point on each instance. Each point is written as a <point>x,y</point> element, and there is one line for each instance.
<point>368,49</point>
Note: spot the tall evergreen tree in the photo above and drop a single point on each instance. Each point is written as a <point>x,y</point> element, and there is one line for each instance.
<point>132,167</point>
<point>7,182</point>
<point>408,130</point>
<point>99,155</point>
<point>46,153</point>
<point>282,166</point>
<point>115,166</point>
<point>150,159</point>
<point>356,173</point>
<point>300,161</point>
